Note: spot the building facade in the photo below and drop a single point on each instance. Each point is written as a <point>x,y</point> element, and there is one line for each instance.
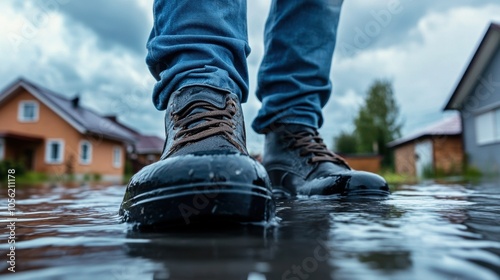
<point>52,134</point>
<point>477,98</point>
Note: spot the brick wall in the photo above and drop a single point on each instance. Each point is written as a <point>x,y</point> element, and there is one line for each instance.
<point>405,159</point>
<point>448,154</point>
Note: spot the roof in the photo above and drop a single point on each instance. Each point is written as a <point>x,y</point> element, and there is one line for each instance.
<point>448,127</point>
<point>82,119</point>
<point>489,45</point>
<point>145,144</point>
<point>149,144</point>
<point>20,136</point>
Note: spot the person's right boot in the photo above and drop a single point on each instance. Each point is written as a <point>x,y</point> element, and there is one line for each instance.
<point>205,174</point>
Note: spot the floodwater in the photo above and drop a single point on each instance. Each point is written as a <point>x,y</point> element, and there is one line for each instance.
<point>426,231</point>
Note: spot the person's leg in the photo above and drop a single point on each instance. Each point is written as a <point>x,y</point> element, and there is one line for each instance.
<point>293,80</point>
<point>198,43</point>
<point>293,86</point>
<point>197,51</point>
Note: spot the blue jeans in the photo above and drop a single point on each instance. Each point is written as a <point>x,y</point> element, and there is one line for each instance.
<point>204,42</point>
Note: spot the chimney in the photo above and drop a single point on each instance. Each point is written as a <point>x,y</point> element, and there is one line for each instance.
<point>75,101</point>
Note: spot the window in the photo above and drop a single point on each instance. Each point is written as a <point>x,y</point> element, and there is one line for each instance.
<point>497,124</point>
<point>54,151</point>
<point>117,157</point>
<point>488,127</point>
<point>85,152</point>
<point>2,149</point>
<point>28,111</point>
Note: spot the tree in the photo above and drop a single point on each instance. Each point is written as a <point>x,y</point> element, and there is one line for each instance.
<point>378,121</point>
<point>346,143</point>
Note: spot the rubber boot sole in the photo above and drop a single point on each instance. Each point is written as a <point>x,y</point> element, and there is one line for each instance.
<point>199,203</point>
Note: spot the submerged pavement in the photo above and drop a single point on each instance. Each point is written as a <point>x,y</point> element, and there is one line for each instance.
<point>427,231</point>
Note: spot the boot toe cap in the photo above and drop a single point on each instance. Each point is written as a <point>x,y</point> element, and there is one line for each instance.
<point>351,183</point>
<point>366,183</point>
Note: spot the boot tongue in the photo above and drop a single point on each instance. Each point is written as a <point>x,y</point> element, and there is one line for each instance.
<point>199,95</point>
<point>193,95</point>
<point>323,168</point>
<point>194,100</point>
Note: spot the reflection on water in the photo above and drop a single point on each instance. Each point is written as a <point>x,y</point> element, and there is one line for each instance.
<point>420,232</point>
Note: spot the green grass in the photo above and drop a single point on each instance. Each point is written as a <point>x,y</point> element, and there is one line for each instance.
<point>470,175</point>
<point>396,179</point>
<point>32,178</point>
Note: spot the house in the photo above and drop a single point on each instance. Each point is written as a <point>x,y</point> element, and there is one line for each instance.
<point>436,149</point>
<point>477,98</point>
<point>145,150</point>
<point>52,134</point>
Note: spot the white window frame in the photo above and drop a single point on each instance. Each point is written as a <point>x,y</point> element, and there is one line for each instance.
<point>488,129</point>
<point>496,120</point>
<point>2,148</point>
<point>20,111</point>
<point>48,151</point>
<point>89,151</point>
<point>117,157</point>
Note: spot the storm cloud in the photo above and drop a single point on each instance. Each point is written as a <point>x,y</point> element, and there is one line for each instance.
<point>97,48</point>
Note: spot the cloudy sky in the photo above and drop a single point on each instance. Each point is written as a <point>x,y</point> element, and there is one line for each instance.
<point>97,49</point>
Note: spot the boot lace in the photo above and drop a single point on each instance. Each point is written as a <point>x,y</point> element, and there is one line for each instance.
<point>210,122</point>
<point>310,143</point>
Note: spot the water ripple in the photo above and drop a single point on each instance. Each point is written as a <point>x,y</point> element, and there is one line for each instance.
<point>422,231</point>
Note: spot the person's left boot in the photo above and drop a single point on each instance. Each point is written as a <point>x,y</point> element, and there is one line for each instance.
<point>299,163</point>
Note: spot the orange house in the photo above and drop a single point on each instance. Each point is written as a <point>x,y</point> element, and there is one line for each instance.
<point>49,133</point>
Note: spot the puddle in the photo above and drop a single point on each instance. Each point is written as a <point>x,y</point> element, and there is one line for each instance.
<point>420,232</point>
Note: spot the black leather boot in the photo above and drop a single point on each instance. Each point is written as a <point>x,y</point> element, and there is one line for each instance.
<point>205,174</point>
<point>299,163</point>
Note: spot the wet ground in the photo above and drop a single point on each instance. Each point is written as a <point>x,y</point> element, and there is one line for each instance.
<point>427,231</point>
